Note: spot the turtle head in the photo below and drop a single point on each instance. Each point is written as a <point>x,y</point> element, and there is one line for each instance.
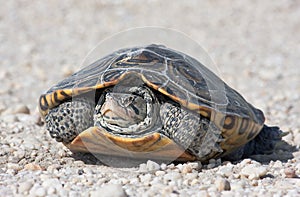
<point>123,109</point>
<point>130,110</point>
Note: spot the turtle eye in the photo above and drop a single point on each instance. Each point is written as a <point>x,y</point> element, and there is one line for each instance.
<point>138,91</point>
<point>126,101</point>
<point>129,99</point>
<point>135,109</point>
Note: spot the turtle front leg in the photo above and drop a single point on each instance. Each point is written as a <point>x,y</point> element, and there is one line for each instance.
<point>194,133</point>
<point>67,120</point>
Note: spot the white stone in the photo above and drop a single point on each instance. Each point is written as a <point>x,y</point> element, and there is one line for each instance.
<point>13,166</point>
<point>222,184</point>
<point>163,166</point>
<point>254,172</point>
<point>152,166</point>
<point>40,192</point>
<point>145,179</point>
<point>225,170</point>
<point>160,173</point>
<point>111,190</point>
<point>186,169</point>
<point>24,187</point>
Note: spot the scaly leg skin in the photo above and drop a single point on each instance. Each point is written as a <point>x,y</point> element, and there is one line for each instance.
<point>194,133</point>
<point>69,119</point>
<point>264,143</point>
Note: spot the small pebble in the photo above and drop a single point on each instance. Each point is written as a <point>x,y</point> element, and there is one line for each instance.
<point>149,166</point>
<point>238,186</point>
<point>298,166</point>
<point>186,169</point>
<point>13,166</point>
<point>245,162</point>
<point>11,171</point>
<point>80,172</point>
<point>52,182</point>
<point>79,163</point>
<point>225,170</point>
<point>143,167</point>
<point>191,176</point>
<point>223,184</point>
<point>253,171</point>
<point>38,119</point>
<point>152,166</point>
<point>203,193</point>
<point>254,183</point>
<point>32,166</point>
<point>290,173</point>
<point>51,190</point>
<point>9,118</point>
<point>195,165</point>
<point>145,179</point>
<point>17,109</point>
<point>194,182</point>
<point>276,164</point>
<point>211,165</point>
<point>172,176</point>
<point>111,190</point>
<point>212,161</point>
<point>40,191</point>
<point>163,166</point>
<point>160,173</point>
<point>24,187</point>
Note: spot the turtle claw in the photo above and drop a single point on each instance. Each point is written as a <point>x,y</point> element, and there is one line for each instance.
<point>284,134</point>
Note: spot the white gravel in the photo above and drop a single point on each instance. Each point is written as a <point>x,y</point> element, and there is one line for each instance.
<point>256,46</point>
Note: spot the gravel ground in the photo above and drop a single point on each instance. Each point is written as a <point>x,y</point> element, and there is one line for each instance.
<point>256,46</point>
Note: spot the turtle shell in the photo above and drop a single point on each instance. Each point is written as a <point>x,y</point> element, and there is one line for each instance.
<point>175,75</point>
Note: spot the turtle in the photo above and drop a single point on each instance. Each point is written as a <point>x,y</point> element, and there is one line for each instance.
<point>154,102</point>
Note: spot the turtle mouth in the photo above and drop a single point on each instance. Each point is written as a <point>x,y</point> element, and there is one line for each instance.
<point>129,113</point>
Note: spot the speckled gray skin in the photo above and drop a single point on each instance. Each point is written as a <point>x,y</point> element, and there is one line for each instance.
<point>196,134</point>
<point>65,122</point>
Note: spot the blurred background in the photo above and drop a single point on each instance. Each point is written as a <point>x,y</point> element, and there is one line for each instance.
<point>255,44</point>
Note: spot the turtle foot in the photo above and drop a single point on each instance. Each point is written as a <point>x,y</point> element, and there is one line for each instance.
<point>263,144</point>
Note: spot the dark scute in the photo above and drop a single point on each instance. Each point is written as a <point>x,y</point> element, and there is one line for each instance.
<point>244,126</point>
<point>87,83</point>
<point>64,94</point>
<point>43,103</point>
<point>146,57</point>
<point>165,52</point>
<point>121,57</point>
<point>155,78</point>
<point>55,96</point>
<point>169,90</point>
<point>231,124</point>
<point>188,71</point>
<point>125,64</point>
<point>157,83</point>
<point>112,75</point>
<point>177,91</point>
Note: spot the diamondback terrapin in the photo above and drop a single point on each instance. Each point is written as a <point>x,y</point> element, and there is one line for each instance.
<point>154,102</point>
